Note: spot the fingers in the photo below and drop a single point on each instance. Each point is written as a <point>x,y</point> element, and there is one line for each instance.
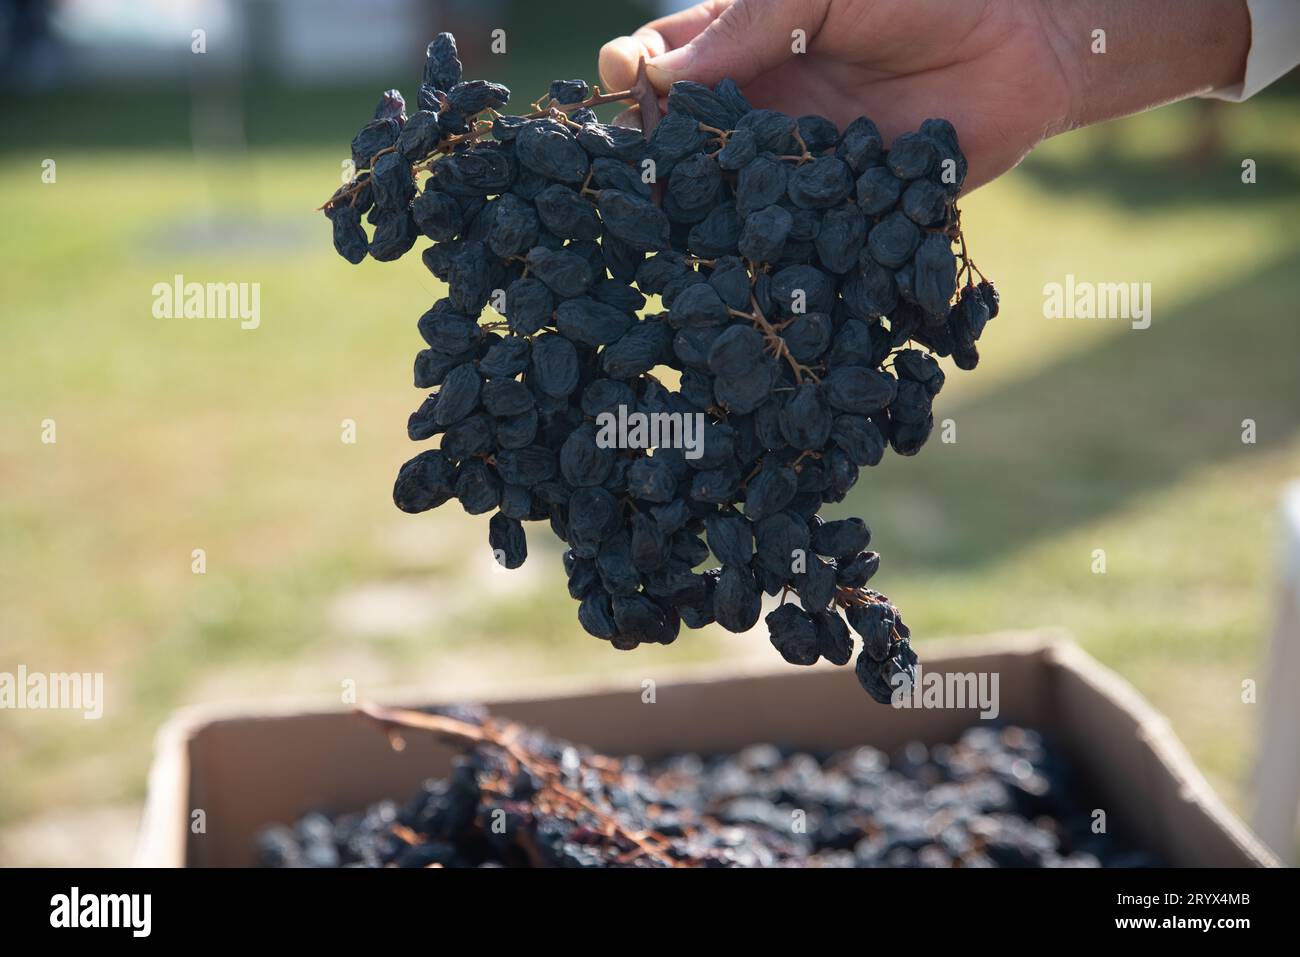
<point>620,56</point>
<point>618,62</point>
<point>747,38</point>
<point>679,29</point>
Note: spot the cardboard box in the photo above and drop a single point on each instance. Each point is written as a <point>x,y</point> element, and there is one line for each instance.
<point>247,770</point>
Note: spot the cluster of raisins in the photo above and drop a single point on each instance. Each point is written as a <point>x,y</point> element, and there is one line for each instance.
<point>998,797</point>
<point>807,280</point>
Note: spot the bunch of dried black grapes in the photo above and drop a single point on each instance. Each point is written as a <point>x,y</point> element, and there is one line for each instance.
<point>998,797</point>
<point>808,281</point>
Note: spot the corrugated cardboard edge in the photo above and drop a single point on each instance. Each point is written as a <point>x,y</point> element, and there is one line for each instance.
<point>164,837</point>
<point>1166,753</point>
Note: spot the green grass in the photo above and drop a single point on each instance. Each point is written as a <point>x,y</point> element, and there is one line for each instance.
<point>183,434</point>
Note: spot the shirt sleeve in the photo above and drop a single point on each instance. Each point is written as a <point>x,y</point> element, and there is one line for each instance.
<point>1274,47</point>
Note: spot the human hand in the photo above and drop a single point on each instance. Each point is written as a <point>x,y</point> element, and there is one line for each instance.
<point>1006,73</point>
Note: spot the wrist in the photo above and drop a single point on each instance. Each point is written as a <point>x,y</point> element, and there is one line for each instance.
<point>1119,57</point>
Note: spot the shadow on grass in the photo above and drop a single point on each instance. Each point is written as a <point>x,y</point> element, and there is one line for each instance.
<point>1095,430</point>
<point>1161,183</point>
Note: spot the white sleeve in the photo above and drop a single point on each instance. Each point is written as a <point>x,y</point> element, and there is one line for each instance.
<point>1274,47</point>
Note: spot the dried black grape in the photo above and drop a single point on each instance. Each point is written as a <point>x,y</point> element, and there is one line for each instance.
<point>507,397</point>
<point>566,214</point>
<point>878,190</point>
<point>613,174</point>
<point>517,503</point>
<point>742,395</point>
<point>762,182</point>
<point>819,134</point>
<point>637,351</point>
<point>694,188</point>
<point>394,235</point>
<point>821,184</point>
<point>950,172</point>
<point>473,96</point>
<point>437,215</point>
<point>376,135</point>
<point>935,277</point>
<point>507,539</point>
<point>773,131</point>
<point>861,146</point>
<point>505,358</point>
<point>596,615</point>
<point>615,142</point>
<point>564,273</point>
<point>806,419</point>
<point>514,227</point>
<point>741,148</point>
<point>651,479</point>
<point>676,137</point>
<point>763,236</point>
<point>634,220</point>
<point>447,331</point>
<point>859,438</point>
<point>591,323</point>
<point>816,584</point>
<point>718,234</point>
<point>797,289</point>
<point>424,482</point>
<point>842,538</point>
<point>419,136</point>
<point>458,396</point>
<point>554,367</point>
<point>527,466</point>
<point>478,171</point>
<point>582,460</point>
<point>450,122</point>
<point>893,240</point>
<point>516,431</point>
<point>391,105</point>
<point>924,203</point>
<point>809,336</point>
<point>641,621</point>
<point>730,280</point>
<point>432,366</point>
<point>737,352</point>
<point>840,237</point>
<point>875,624</point>
<point>860,390</point>
<point>350,240</point>
<point>794,635</point>
<point>469,277</point>
<point>593,517</point>
<point>547,147</point>
<point>697,100</point>
<point>477,488</point>
<point>569,91</point>
<point>737,600</point>
<point>442,69</point>
<point>770,491</point>
<point>991,298</point>
<point>912,156</point>
<point>620,258</point>
<point>856,571</point>
<point>529,305</point>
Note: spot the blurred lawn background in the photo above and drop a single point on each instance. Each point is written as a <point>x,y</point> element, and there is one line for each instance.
<point>174,435</point>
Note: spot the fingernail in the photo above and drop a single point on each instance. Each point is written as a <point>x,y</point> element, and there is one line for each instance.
<point>664,70</point>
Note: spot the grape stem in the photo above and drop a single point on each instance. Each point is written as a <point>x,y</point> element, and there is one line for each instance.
<point>505,738</point>
<point>478,126</point>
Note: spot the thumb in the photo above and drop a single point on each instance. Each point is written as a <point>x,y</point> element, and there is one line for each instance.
<point>749,38</point>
